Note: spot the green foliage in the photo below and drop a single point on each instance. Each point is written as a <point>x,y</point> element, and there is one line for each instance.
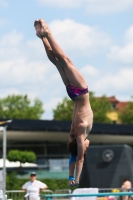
<point>64,110</point>
<point>21,156</point>
<point>54,184</point>
<point>20,107</point>
<point>126,114</point>
<point>100,107</point>
<point>14,155</point>
<point>13,183</point>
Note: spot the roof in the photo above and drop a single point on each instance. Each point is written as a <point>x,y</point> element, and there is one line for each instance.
<point>64,126</point>
<point>113,99</point>
<point>121,105</point>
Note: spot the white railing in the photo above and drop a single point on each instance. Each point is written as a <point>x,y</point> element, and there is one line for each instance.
<point>67,193</point>
<point>19,194</point>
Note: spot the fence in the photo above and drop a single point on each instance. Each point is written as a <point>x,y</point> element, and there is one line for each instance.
<point>67,194</point>
<point>15,194</point>
<point>49,197</point>
<point>19,194</point>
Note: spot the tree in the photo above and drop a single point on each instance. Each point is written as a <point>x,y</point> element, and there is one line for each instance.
<point>126,114</point>
<point>100,107</point>
<point>20,107</point>
<point>64,110</point>
<point>21,156</point>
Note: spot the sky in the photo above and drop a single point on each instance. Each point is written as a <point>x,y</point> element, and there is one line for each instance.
<point>97,35</point>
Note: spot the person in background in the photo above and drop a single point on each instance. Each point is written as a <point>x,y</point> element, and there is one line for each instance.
<point>126,186</point>
<point>33,188</point>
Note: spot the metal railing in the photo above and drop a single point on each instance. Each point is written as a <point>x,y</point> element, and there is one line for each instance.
<point>19,194</point>
<point>15,194</point>
<point>67,194</point>
<point>49,196</point>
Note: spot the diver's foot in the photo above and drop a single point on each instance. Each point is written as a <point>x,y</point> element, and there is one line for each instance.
<point>44,28</point>
<point>37,26</point>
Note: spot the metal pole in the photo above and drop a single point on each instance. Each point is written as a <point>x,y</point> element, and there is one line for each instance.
<point>4,161</point>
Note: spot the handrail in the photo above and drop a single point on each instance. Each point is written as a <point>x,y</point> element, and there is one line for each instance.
<point>48,196</point>
<point>15,191</point>
<point>47,191</point>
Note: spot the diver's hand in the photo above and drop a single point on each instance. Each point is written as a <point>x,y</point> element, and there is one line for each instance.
<point>71,183</point>
<point>76,183</point>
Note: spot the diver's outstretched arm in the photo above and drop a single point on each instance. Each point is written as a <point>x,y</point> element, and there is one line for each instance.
<point>80,157</point>
<point>71,179</point>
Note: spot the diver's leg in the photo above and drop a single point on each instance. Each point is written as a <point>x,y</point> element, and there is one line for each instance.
<point>51,55</point>
<point>74,76</point>
<point>55,61</point>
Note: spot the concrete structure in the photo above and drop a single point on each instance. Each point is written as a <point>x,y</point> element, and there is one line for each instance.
<point>48,139</point>
<point>106,166</point>
<point>32,134</point>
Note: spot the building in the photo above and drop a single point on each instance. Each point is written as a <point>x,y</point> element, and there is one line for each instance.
<point>48,139</point>
<point>117,106</point>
